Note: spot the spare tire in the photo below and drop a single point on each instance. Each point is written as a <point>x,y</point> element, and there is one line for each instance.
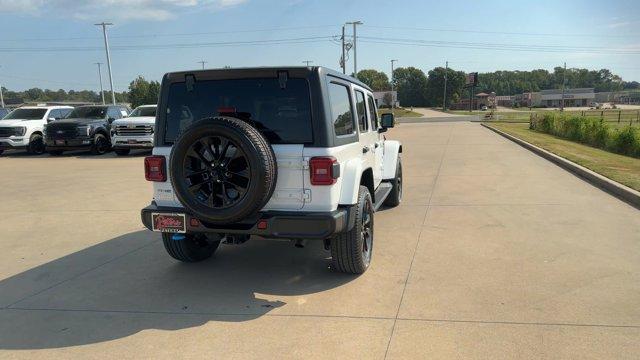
<point>222,170</point>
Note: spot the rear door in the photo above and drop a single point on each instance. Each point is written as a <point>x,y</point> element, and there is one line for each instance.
<point>377,138</point>
<point>367,138</point>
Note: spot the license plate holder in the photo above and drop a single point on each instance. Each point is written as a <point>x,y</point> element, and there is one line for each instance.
<point>169,223</point>
<point>59,142</point>
<point>132,141</point>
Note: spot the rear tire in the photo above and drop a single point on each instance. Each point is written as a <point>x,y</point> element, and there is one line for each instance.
<point>100,145</point>
<point>36,145</point>
<point>351,251</point>
<point>395,196</point>
<point>190,247</point>
<point>122,152</point>
<point>55,152</point>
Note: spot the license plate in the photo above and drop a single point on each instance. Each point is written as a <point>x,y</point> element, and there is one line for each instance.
<point>131,141</point>
<point>169,223</point>
<point>59,142</point>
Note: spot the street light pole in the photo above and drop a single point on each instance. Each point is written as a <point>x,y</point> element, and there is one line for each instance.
<point>564,79</point>
<point>100,77</point>
<point>1,96</point>
<point>444,102</point>
<point>202,62</point>
<point>106,49</point>
<point>393,103</point>
<point>355,56</point>
<point>343,61</point>
<point>307,62</point>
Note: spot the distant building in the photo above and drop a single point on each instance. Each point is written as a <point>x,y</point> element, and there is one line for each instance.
<point>379,97</point>
<point>572,97</point>
<point>504,100</point>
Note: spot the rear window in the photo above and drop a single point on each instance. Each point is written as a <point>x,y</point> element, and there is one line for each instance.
<point>282,115</point>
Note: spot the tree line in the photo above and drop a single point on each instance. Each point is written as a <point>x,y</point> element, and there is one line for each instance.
<point>415,88</point>
<point>140,92</point>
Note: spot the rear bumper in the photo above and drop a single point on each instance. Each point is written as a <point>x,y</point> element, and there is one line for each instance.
<point>280,224</point>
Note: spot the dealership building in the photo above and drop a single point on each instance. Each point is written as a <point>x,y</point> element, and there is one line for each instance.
<point>572,97</point>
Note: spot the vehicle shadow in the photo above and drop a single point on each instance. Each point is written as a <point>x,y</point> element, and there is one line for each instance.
<point>129,284</point>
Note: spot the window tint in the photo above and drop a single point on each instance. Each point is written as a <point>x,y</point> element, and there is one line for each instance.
<point>114,113</point>
<point>362,111</point>
<point>64,112</point>
<point>144,111</point>
<point>91,112</point>
<point>282,115</point>
<point>341,109</point>
<point>372,113</point>
<point>26,114</point>
<point>55,113</point>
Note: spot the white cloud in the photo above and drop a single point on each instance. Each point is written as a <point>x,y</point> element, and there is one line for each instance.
<point>152,10</point>
<point>619,24</point>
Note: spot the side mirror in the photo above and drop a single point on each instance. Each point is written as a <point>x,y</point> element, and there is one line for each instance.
<point>50,119</point>
<point>387,121</point>
<point>110,120</point>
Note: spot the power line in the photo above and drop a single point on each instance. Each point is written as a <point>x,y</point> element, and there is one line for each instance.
<point>300,40</point>
<point>558,34</point>
<point>171,34</point>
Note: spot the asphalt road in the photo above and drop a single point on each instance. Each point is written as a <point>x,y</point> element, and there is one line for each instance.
<point>495,253</point>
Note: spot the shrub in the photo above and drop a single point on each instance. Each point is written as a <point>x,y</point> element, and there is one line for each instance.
<point>627,141</point>
<point>591,131</point>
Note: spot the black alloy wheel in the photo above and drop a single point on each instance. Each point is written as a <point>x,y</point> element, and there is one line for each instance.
<point>216,172</point>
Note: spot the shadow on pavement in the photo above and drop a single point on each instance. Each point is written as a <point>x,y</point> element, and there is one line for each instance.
<point>128,284</point>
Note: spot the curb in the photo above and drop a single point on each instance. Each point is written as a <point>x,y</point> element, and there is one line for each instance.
<point>622,192</point>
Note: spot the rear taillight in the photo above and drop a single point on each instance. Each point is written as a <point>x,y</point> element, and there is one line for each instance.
<point>324,170</point>
<point>155,169</point>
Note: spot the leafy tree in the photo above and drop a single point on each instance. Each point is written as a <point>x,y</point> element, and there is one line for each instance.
<point>435,86</point>
<point>412,85</point>
<point>377,80</point>
<point>143,92</point>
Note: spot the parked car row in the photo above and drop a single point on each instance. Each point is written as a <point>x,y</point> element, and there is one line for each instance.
<point>98,128</point>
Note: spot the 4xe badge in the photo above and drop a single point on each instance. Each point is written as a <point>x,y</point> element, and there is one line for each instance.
<point>168,223</point>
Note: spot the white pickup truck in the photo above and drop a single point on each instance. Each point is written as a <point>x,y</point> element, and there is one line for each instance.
<point>135,131</point>
<point>288,153</point>
<point>23,127</point>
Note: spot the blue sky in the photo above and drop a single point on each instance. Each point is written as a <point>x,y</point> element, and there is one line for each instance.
<point>591,34</point>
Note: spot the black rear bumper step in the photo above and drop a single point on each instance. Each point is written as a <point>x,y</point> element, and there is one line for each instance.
<point>280,224</point>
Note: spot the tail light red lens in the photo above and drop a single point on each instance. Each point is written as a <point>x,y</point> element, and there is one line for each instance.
<point>324,170</point>
<point>155,168</point>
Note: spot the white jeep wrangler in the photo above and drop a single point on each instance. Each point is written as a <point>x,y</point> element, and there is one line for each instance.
<point>291,153</point>
<point>23,127</point>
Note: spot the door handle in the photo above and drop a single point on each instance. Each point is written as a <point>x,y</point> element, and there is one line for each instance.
<point>365,149</point>
<point>377,145</point>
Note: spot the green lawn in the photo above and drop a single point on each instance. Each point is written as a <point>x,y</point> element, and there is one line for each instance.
<point>623,169</point>
<point>400,112</point>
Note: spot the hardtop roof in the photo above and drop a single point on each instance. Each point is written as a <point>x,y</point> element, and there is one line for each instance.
<point>252,72</point>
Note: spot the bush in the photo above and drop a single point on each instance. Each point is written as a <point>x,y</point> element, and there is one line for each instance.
<point>627,142</point>
<point>590,131</point>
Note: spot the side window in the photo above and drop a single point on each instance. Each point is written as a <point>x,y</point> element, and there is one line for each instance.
<point>362,111</point>
<point>373,113</point>
<point>341,110</point>
<point>55,113</point>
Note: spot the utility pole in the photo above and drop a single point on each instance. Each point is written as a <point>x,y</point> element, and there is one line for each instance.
<point>444,102</point>
<point>100,77</point>
<point>202,62</point>
<point>355,56</point>
<point>106,49</point>
<point>393,102</point>
<point>307,62</point>
<point>1,96</point>
<point>343,61</point>
<point>564,79</point>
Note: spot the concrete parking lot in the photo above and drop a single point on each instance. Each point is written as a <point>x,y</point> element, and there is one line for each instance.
<point>495,253</point>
